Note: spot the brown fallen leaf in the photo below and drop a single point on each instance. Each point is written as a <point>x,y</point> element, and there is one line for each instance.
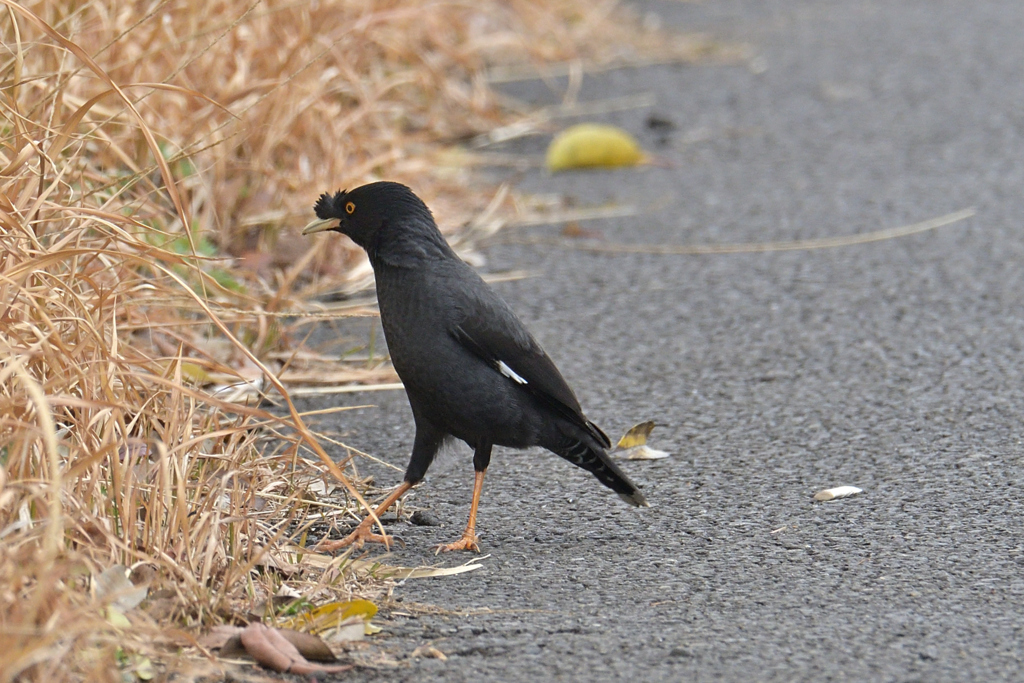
<point>271,649</point>
<point>310,646</point>
<point>228,640</point>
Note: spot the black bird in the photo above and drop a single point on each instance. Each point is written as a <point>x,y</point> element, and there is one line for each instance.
<point>470,368</point>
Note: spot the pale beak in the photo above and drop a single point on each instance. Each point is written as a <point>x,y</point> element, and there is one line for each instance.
<point>320,225</point>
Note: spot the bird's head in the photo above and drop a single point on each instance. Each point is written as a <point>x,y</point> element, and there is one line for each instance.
<point>362,213</point>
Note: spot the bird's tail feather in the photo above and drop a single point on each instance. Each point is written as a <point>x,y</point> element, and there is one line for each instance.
<point>595,460</point>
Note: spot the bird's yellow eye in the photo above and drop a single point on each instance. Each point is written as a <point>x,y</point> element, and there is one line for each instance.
<point>350,208</point>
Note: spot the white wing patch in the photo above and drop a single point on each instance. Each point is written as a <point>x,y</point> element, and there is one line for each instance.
<point>510,373</point>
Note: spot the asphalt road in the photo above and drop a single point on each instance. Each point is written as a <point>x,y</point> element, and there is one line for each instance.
<point>894,366</point>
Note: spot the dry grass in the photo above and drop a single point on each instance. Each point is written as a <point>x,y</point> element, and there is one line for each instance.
<point>156,160</point>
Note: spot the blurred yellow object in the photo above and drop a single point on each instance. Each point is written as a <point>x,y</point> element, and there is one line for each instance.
<point>637,435</point>
<point>332,615</point>
<point>633,444</point>
<point>593,145</point>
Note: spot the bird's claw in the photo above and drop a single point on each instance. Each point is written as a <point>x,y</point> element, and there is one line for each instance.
<point>467,542</point>
<point>361,534</point>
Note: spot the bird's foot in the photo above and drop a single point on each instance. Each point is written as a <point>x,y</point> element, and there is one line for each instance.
<point>467,542</point>
<point>362,534</point>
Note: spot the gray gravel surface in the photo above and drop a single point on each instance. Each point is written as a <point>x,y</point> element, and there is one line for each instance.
<point>895,367</point>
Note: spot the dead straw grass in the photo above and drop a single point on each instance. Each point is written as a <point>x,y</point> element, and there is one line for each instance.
<point>156,158</point>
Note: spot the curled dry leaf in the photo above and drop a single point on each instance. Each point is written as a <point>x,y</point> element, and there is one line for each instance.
<point>283,651</point>
<point>633,443</point>
<point>309,645</point>
<point>837,492</point>
<point>228,640</point>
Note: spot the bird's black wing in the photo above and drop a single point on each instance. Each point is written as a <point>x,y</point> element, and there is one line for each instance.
<point>491,330</point>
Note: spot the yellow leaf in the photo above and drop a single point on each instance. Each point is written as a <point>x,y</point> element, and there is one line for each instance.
<point>116,618</point>
<point>633,444</point>
<point>194,373</point>
<point>362,608</point>
<point>328,616</point>
<point>637,435</point>
<point>144,670</point>
<point>593,145</point>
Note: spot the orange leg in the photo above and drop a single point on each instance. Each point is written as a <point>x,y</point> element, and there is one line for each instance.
<point>469,538</point>
<point>363,532</point>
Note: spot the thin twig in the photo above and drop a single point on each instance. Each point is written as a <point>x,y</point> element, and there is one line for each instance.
<point>750,247</point>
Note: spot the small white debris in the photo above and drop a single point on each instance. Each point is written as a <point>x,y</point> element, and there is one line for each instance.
<point>645,453</point>
<point>286,591</point>
<point>509,372</point>
<point>837,492</point>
